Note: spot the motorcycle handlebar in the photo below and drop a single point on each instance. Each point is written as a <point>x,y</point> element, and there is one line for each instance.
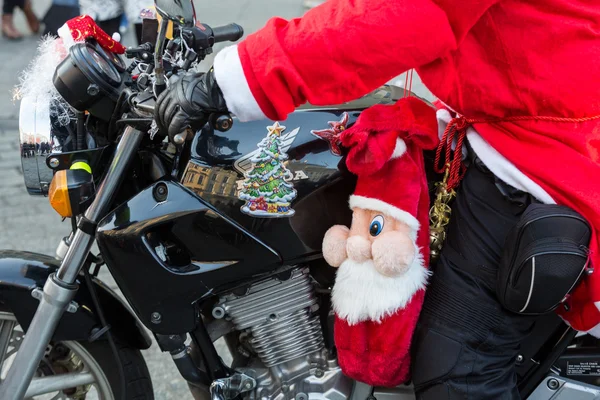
<point>231,33</point>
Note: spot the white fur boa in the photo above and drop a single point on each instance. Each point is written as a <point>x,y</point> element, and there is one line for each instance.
<point>361,293</point>
<point>35,81</point>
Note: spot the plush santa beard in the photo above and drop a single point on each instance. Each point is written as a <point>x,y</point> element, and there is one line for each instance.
<point>361,293</point>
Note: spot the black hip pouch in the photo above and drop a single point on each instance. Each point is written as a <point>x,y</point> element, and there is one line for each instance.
<point>545,255</point>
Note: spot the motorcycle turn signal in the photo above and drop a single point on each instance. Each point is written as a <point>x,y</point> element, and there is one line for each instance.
<point>72,191</point>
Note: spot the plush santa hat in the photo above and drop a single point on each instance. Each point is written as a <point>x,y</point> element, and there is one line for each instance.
<point>78,29</point>
<point>376,314</point>
<point>386,152</point>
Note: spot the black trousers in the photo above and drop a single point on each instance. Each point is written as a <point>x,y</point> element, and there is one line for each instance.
<point>9,6</point>
<point>465,345</point>
<point>110,26</point>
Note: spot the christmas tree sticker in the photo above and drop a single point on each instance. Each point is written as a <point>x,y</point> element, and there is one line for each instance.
<point>267,190</point>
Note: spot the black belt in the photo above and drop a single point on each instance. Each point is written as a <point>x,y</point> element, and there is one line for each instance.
<point>509,192</point>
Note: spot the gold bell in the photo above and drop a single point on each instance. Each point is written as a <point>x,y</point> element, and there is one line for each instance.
<point>437,236</point>
<point>443,194</point>
<point>439,216</point>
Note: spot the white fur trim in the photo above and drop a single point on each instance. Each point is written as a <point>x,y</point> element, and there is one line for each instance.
<point>65,33</point>
<point>361,293</point>
<point>595,331</point>
<point>443,119</point>
<point>399,149</point>
<point>35,83</point>
<point>367,203</point>
<point>504,169</point>
<point>234,85</point>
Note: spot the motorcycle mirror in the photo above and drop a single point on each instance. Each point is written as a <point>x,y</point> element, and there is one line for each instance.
<point>179,11</point>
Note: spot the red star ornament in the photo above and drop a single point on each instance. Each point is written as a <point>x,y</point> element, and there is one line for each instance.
<point>332,135</point>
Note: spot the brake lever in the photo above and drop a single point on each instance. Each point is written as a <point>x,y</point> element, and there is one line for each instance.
<point>221,122</point>
<point>180,138</point>
<point>143,52</point>
<point>179,141</point>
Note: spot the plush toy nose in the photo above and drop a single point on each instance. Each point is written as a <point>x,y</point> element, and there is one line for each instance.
<point>358,248</point>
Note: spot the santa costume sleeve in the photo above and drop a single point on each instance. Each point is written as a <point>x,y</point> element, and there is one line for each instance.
<point>338,52</point>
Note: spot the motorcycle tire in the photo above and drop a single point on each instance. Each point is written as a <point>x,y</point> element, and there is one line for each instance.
<point>138,383</point>
<point>97,357</point>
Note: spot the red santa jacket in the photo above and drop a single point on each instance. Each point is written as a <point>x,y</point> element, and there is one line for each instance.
<point>484,58</point>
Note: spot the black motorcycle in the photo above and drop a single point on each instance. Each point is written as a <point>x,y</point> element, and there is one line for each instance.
<point>199,250</point>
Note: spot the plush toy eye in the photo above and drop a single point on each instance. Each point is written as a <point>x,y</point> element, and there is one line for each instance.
<point>376,226</point>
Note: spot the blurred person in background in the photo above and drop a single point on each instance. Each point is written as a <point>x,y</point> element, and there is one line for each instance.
<point>59,12</point>
<point>8,28</point>
<point>106,13</point>
<point>109,14</point>
<point>133,10</point>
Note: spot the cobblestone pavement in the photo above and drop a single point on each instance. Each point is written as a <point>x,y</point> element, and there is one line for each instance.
<point>29,223</point>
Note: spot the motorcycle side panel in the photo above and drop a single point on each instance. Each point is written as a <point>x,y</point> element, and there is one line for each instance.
<point>207,251</point>
<point>21,272</point>
<point>211,245</point>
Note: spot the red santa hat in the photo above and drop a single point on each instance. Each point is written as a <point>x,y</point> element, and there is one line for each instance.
<point>390,172</point>
<point>78,29</point>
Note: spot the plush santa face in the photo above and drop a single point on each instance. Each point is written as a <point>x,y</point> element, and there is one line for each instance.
<point>373,237</point>
<point>380,267</point>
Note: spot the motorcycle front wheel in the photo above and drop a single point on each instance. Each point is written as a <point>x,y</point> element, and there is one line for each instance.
<point>78,370</point>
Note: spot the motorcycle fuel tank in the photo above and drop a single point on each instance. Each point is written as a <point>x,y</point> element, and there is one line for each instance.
<point>224,167</point>
<point>177,242</point>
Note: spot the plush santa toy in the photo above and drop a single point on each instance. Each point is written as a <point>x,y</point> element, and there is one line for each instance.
<point>383,257</point>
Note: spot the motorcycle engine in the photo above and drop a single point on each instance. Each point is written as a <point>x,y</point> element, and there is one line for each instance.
<point>278,321</point>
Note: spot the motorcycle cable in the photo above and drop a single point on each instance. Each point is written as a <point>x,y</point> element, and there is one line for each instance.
<point>112,124</point>
<point>81,132</point>
<point>105,329</point>
<point>98,263</point>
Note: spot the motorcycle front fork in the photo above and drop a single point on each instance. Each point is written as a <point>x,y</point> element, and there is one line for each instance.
<point>61,286</point>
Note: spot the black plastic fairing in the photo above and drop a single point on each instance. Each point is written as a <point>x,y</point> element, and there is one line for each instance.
<point>21,272</point>
<point>167,254</point>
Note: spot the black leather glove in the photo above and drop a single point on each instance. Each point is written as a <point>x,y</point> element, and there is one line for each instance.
<point>188,103</point>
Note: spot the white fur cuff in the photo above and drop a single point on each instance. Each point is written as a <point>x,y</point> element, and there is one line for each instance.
<point>65,34</point>
<point>232,81</point>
